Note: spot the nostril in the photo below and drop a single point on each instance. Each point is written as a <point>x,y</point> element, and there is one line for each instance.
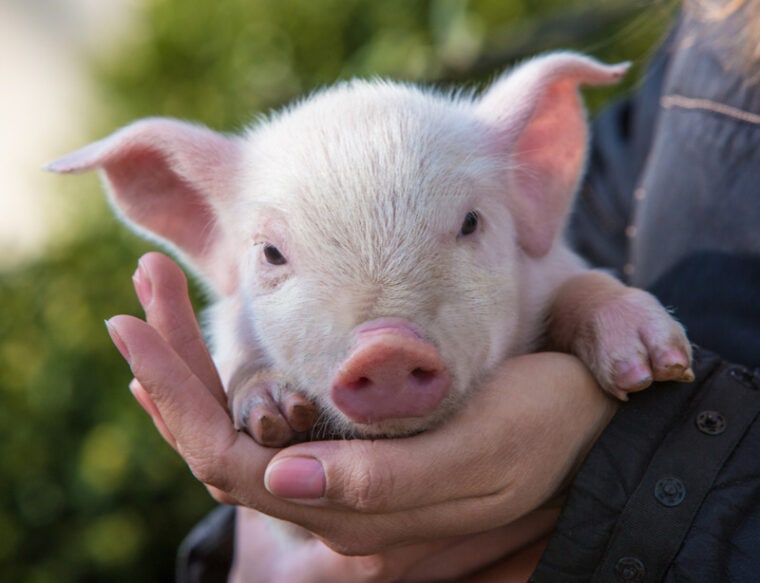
<point>361,383</point>
<point>419,377</point>
<point>422,376</point>
<point>358,383</point>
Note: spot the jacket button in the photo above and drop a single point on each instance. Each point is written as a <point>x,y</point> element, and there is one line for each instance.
<point>711,422</point>
<point>630,570</point>
<point>670,491</point>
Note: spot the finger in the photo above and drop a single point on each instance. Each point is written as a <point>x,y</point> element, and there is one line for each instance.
<point>217,454</point>
<point>377,476</point>
<point>260,555</point>
<point>515,569</point>
<point>142,397</point>
<point>441,560</point>
<point>539,404</point>
<point>162,290</point>
<point>326,564</point>
<point>222,497</point>
<point>447,558</point>
<point>147,404</point>
<point>469,554</point>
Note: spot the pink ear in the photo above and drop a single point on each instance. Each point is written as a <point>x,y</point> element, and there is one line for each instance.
<point>170,180</point>
<point>538,123</point>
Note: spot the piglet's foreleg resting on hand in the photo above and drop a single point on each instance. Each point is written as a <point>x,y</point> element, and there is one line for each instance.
<point>262,403</point>
<point>624,335</point>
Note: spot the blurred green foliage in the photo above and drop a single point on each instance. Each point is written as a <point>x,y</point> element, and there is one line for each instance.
<point>89,491</point>
<point>220,62</point>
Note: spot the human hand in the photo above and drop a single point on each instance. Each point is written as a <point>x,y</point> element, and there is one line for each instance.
<point>262,556</point>
<point>508,451</point>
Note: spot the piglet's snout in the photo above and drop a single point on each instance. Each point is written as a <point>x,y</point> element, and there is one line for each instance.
<point>392,373</point>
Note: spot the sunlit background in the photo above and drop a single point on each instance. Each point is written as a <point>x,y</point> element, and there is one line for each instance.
<point>88,492</point>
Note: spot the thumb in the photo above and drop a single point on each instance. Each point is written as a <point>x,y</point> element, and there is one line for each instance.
<point>381,476</point>
<point>537,406</point>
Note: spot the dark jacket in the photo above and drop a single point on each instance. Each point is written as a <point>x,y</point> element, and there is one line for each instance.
<point>671,490</point>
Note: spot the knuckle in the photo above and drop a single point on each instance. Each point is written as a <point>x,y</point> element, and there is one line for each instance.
<point>368,488</point>
<point>208,465</point>
<point>204,470</point>
<point>220,496</point>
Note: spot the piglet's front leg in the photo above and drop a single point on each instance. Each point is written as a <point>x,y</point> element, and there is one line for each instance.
<point>624,335</point>
<point>263,404</point>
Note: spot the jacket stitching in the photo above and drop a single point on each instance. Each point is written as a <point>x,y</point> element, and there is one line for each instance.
<point>683,102</point>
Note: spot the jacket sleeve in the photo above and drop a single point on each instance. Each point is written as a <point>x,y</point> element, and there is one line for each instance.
<point>205,555</point>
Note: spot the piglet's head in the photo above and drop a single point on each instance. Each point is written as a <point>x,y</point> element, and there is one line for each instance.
<point>370,202</point>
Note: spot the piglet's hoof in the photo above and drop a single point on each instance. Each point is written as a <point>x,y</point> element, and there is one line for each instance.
<point>632,341</point>
<point>263,406</point>
<point>623,334</point>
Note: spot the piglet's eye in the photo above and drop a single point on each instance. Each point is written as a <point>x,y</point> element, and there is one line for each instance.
<point>469,225</point>
<point>273,255</point>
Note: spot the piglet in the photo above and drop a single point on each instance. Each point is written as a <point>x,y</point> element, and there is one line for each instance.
<point>374,250</point>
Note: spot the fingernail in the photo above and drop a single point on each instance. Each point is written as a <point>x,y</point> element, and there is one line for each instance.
<point>296,477</point>
<point>116,339</point>
<point>143,285</point>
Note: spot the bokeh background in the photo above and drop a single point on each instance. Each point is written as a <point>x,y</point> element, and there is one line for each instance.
<point>88,491</point>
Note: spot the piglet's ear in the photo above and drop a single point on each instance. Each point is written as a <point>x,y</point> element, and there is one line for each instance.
<point>536,120</point>
<point>172,181</point>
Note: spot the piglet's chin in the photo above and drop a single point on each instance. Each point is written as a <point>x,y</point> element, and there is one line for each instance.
<point>392,428</point>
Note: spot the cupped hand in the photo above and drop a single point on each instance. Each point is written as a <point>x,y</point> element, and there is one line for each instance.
<point>506,454</point>
<point>262,557</point>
